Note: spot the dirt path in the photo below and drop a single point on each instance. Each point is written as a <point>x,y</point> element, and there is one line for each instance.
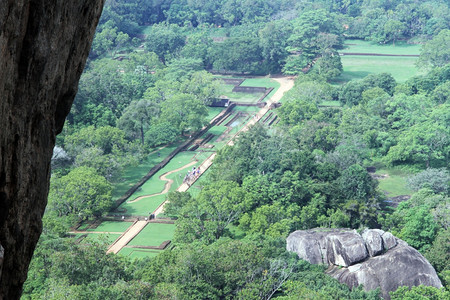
<point>168,184</point>
<point>127,237</point>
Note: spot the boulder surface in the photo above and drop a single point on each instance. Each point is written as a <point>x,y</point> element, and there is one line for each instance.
<point>373,259</point>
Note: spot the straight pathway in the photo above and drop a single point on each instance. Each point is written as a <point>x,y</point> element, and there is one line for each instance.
<point>127,237</point>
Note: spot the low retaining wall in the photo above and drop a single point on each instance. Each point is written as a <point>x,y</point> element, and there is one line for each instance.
<point>249,89</point>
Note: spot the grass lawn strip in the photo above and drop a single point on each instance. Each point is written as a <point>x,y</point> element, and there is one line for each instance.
<point>111,226</point>
<point>139,253</point>
<point>400,48</point>
<point>153,235</point>
<point>133,174</point>
<point>358,67</point>
<point>394,184</point>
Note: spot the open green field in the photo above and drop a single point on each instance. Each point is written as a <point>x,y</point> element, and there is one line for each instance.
<point>153,235</point>
<point>264,82</point>
<point>248,109</point>
<point>155,185</point>
<point>139,253</point>
<point>133,174</point>
<point>112,226</point>
<point>142,207</point>
<point>227,90</point>
<point>360,46</point>
<point>395,182</point>
<point>213,112</point>
<point>104,237</point>
<point>358,67</point>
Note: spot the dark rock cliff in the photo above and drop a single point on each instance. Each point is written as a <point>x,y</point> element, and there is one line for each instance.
<point>373,259</point>
<point>43,48</point>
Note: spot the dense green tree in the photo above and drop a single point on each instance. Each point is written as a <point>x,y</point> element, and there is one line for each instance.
<point>436,179</point>
<point>82,192</point>
<point>436,52</point>
<point>208,215</point>
<point>184,112</point>
<point>137,118</point>
<point>419,292</point>
<point>165,40</point>
<point>240,54</point>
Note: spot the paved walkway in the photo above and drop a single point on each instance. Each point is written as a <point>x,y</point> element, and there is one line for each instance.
<point>127,237</point>
<point>286,83</point>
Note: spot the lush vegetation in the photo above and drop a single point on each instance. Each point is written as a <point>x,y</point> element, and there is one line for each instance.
<point>147,86</point>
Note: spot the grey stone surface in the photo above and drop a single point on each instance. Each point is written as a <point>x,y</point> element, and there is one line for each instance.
<point>398,265</point>
<point>374,242</point>
<point>345,248</point>
<point>43,49</point>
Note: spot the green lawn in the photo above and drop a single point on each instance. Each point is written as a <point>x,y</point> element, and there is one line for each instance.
<point>213,112</point>
<point>264,82</point>
<point>359,46</point>
<point>112,226</point>
<point>155,185</point>
<point>153,235</point>
<point>133,174</point>
<point>142,207</point>
<point>249,109</point>
<point>358,67</point>
<point>395,183</point>
<point>109,238</point>
<point>139,253</point>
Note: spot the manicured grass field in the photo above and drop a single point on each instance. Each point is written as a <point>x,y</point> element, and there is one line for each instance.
<point>358,67</point>
<point>133,174</point>
<point>360,46</point>
<point>213,112</point>
<point>139,253</point>
<point>395,183</point>
<point>249,109</point>
<point>142,207</point>
<point>265,82</point>
<point>154,184</point>
<point>106,237</point>
<point>112,226</point>
<point>153,235</point>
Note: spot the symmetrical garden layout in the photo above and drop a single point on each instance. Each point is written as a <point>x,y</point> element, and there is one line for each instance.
<point>138,226</point>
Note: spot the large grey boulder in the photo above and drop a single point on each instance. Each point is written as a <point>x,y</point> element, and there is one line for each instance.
<point>388,262</point>
<point>345,248</point>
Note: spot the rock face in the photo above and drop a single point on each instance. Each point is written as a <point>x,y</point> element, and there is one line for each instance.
<point>374,259</point>
<point>43,48</point>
